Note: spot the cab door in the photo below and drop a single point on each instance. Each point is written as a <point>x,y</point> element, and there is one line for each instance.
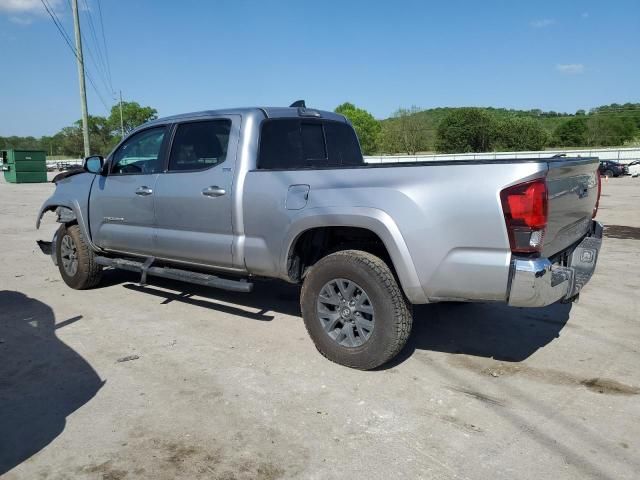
<point>193,200</point>
<point>122,204</point>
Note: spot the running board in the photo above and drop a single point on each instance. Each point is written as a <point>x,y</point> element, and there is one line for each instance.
<point>188,276</point>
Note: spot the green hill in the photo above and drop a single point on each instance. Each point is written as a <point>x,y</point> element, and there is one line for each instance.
<point>607,125</point>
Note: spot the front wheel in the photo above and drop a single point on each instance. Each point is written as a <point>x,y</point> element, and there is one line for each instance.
<point>608,173</point>
<point>354,310</point>
<point>76,260</point>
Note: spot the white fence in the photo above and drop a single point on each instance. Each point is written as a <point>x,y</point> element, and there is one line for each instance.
<point>622,155</point>
<point>63,164</point>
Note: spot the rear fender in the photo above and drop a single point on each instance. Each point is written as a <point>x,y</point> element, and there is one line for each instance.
<point>373,219</point>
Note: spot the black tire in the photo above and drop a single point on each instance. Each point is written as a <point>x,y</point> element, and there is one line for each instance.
<point>608,173</point>
<point>87,273</point>
<point>393,312</point>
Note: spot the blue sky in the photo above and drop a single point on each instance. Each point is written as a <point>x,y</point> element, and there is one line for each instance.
<point>381,55</point>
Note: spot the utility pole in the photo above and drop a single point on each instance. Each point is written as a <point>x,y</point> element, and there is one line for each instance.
<point>121,121</point>
<point>83,92</point>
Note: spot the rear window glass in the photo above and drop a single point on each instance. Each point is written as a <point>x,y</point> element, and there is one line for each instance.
<point>313,147</point>
<point>303,143</point>
<point>342,144</point>
<point>280,145</point>
<point>200,145</point>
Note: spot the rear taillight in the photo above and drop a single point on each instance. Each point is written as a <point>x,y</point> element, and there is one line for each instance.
<point>595,209</point>
<point>525,213</point>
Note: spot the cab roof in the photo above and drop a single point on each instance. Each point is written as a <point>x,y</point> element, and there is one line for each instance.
<point>265,112</point>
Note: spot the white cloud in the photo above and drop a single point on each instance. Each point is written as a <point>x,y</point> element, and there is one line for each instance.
<point>570,68</point>
<point>26,6</point>
<point>22,12</point>
<point>542,23</point>
<point>21,20</point>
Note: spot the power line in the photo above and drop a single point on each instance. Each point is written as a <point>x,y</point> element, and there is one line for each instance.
<point>67,40</point>
<point>96,64</point>
<point>101,64</point>
<point>104,42</point>
<point>74,51</point>
<point>100,71</point>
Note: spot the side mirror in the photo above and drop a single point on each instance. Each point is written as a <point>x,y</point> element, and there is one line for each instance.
<point>93,164</point>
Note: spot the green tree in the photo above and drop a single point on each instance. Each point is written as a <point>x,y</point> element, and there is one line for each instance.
<point>606,130</point>
<point>25,143</point>
<point>518,134</point>
<point>133,115</point>
<point>71,141</point>
<point>465,130</point>
<point>101,139</point>
<point>404,132</point>
<point>365,125</point>
<point>571,133</point>
<point>104,133</point>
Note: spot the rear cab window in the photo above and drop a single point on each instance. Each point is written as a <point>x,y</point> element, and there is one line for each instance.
<point>293,143</point>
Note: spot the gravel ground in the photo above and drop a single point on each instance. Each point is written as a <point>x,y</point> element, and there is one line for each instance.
<point>175,381</point>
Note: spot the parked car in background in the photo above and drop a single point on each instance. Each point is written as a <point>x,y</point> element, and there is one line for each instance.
<point>610,168</point>
<point>634,168</point>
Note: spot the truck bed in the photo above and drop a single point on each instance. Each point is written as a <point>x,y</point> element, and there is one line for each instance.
<point>447,213</point>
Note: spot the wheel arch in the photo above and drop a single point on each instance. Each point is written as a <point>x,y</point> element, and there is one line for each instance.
<point>68,212</point>
<point>376,222</point>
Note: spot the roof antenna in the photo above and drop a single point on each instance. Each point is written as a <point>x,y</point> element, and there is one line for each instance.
<point>298,104</point>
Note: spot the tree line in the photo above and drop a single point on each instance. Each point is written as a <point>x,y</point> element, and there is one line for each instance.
<point>104,133</point>
<point>407,131</point>
<point>459,130</point>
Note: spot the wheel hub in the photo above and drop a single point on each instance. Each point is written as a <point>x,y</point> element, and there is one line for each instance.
<point>345,312</point>
<point>69,255</point>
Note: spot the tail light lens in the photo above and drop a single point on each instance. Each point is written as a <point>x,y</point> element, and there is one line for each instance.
<point>595,209</point>
<point>525,212</point>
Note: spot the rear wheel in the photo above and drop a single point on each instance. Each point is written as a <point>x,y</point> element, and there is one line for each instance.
<point>354,310</point>
<point>608,173</point>
<point>76,260</point>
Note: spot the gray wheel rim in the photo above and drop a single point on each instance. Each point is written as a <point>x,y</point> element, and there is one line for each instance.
<point>69,255</point>
<point>345,312</point>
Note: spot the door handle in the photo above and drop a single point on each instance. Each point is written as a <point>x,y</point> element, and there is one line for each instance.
<point>143,191</point>
<point>213,191</point>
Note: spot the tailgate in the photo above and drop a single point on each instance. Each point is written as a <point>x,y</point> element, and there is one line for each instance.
<point>572,186</point>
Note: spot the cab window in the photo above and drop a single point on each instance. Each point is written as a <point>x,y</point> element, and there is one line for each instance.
<point>140,154</point>
<point>200,145</point>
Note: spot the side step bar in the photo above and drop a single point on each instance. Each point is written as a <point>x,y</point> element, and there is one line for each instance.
<point>188,276</point>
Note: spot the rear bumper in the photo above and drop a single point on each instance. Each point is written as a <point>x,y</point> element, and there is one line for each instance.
<point>538,282</point>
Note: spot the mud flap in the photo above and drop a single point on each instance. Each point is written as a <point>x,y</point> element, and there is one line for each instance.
<point>49,248</point>
<point>45,247</point>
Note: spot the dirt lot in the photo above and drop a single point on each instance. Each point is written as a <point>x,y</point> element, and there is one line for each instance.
<point>174,381</point>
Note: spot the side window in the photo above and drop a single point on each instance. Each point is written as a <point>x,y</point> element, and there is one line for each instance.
<point>140,153</point>
<point>200,145</point>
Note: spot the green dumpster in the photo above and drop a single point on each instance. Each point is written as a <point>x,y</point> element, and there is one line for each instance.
<point>24,166</point>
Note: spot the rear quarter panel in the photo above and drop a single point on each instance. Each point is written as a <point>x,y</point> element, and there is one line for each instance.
<point>447,221</point>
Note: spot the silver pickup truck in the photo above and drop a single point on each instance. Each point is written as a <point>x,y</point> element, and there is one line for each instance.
<point>219,198</point>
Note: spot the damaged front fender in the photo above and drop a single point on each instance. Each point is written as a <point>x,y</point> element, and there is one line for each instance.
<point>70,201</point>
